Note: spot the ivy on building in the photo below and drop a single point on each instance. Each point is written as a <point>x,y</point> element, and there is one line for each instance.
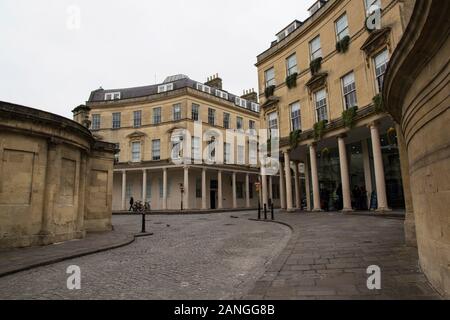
<point>269,91</point>
<point>291,81</point>
<point>315,65</point>
<point>294,138</point>
<point>378,103</point>
<point>348,116</point>
<point>343,44</point>
<point>319,129</point>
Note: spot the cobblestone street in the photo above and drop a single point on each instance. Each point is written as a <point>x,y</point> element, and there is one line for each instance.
<point>188,257</point>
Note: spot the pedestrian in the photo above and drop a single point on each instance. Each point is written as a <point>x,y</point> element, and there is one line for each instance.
<point>131,203</point>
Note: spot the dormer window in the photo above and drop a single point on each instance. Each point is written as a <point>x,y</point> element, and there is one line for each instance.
<point>203,88</point>
<point>165,87</point>
<point>254,107</point>
<point>316,6</point>
<point>112,96</point>
<point>285,32</point>
<point>241,102</point>
<point>222,94</point>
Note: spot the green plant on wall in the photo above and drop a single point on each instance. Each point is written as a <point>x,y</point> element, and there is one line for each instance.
<point>294,138</point>
<point>391,136</point>
<point>326,154</point>
<point>343,44</point>
<point>315,65</point>
<point>269,91</point>
<point>348,116</point>
<point>291,81</point>
<point>378,103</point>
<point>319,129</point>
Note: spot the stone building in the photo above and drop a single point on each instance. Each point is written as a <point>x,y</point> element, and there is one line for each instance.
<point>416,93</point>
<point>55,178</point>
<point>320,84</point>
<point>163,132</point>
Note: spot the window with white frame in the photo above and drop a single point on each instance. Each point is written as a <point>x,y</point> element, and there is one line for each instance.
<point>165,87</point>
<point>291,65</point>
<point>272,121</point>
<point>226,120</point>
<point>117,154</point>
<point>251,124</point>
<point>227,152</point>
<point>241,155</point>
<point>196,148</point>
<point>112,96</point>
<point>157,115</point>
<point>203,88</point>
<point>95,122</point>
<point>176,112</point>
<point>295,117</point>
<point>136,151</point>
<point>211,116</point>
<point>221,94</point>
<point>342,27</point>
<point>381,61</point>
<point>137,118</point>
<point>156,150</point>
<point>240,102</point>
<point>315,48</point>
<point>116,120</point>
<point>195,115</point>
<point>254,106</point>
<point>370,3</point>
<point>270,77</point>
<point>349,90</point>
<point>239,123</point>
<point>320,98</point>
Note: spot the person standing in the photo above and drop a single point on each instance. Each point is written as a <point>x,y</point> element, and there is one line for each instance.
<point>131,203</point>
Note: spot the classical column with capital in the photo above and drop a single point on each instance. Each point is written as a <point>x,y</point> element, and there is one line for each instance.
<point>345,180</point>
<point>234,191</point>
<point>314,178</point>
<point>379,168</point>
<point>219,190</point>
<point>144,186</point>
<point>124,190</point>
<point>247,190</point>
<point>282,188</point>
<point>307,187</point>
<point>287,165</point>
<point>298,203</point>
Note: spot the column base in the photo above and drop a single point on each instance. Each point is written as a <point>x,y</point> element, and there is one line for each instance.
<point>317,210</point>
<point>291,210</point>
<point>383,210</point>
<point>347,210</point>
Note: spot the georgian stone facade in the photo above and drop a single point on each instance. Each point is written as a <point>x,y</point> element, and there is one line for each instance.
<point>55,178</point>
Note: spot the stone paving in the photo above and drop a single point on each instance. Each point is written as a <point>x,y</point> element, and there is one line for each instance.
<point>217,256</point>
<point>328,256</point>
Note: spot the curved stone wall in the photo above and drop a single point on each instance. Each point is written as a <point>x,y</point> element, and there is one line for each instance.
<point>416,92</point>
<point>55,178</point>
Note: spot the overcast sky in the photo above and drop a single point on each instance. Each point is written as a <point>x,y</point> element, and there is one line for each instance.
<point>50,61</point>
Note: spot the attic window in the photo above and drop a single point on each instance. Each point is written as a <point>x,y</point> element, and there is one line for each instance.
<point>165,87</point>
<point>241,102</point>
<point>316,6</point>
<point>203,88</point>
<point>112,96</point>
<point>291,28</point>
<point>254,107</point>
<point>221,94</point>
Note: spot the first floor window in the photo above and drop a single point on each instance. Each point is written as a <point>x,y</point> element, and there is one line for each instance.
<point>227,153</point>
<point>195,112</point>
<point>273,121</point>
<point>315,48</point>
<point>196,148</point>
<point>226,120</point>
<point>177,112</point>
<point>381,61</point>
<point>239,123</point>
<point>342,27</point>
<point>157,115</point>
<point>116,120</point>
<point>251,124</point>
<point>95,122</point>
<point>241,155</point>
<point>270,77</point>
<point>136,151</point>
<point>211,116</point>
<point>295,117</point>
<point>156,150</point>
<point>137,118</point>
<point>320,98</point>
<point>291,65</point>
<point>349,90</point>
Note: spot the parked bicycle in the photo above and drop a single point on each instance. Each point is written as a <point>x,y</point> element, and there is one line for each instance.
<point>139,207</point>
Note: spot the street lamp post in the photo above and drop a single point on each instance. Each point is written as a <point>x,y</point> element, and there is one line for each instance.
<point>182,195</point>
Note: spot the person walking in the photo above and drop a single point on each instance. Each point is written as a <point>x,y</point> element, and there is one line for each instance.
<point>131,203</point>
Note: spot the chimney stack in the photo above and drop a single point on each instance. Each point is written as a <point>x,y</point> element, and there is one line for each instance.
<point>250,95</point>
<point>214,81</point>
<point>81,115</point>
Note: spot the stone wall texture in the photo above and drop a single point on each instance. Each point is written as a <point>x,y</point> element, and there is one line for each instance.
<point>55,179</point>
<point>416,92</point>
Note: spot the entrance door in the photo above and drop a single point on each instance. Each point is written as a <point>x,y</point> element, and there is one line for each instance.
<point>213,195</point>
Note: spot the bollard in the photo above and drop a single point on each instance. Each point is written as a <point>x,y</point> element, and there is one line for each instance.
<point>265,211</point>
<point>143,222</point>
<point>259,210</point>
<point>272,212</point>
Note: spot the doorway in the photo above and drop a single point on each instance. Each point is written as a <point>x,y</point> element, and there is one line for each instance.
<point>212,196</point>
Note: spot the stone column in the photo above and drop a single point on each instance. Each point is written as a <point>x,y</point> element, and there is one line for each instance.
<point>204,206</point>
<point>219,190</point>
<point>345,179</point>
<point>367,170</point>
<point>52,182</point>
<point>315,177</point>
<point>144,186</point>
<point>124,190</point>
<point>307,187</point>
<point>164,204</point>
<point>282,188</point>
<point>298,203</point>
<point>186,188</point>
<point>234,191</point>
<point>287,167</point>
<point>247,190</point>
<point>410,224</point>
<point>379,169</point>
